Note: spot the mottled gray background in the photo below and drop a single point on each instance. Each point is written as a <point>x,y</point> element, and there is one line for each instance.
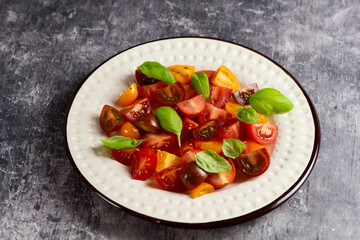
<point>48,47</point>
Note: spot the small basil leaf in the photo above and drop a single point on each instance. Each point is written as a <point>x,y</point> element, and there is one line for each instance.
<point>169,120</point>
<point>212,162</point>
<point>200,83</point>
<point>121,142</point>
<point>268,100</point>
<point>157,71</point>
<point>247,115</point>
<point>232,147</point>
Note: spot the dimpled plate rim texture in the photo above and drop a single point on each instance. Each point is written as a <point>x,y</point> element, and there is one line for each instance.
<point>292,159</point>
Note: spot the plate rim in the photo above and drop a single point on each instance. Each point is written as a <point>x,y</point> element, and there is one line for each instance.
<point>213,224</point>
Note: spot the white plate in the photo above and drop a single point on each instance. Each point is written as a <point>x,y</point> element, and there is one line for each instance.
<point>291,162</point>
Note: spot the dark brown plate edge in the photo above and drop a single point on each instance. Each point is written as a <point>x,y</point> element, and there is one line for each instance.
<point>222,223</point>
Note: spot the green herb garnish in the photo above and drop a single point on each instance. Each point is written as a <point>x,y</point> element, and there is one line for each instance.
<point>200,83</point>
<point>232,147</point>
<point>157,71</point>
<point>169,120</point>
<point>247,115</point>
<point>121,142</point>
<point>212,162</point>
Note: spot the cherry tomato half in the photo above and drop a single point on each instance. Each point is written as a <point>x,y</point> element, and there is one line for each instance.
<point>188,126</point>
<point>242,96</point>
<point>125,156</point>
<point>193,106</point>
<point>170,95</point>
<point>220,180</point>
<point>144,165</point>
<point>210,112</point>
<point>234,129</point>
<point>129,96</point>
<point>148,90</point>
<point>254,163</point>
<point>169,179</point>
<point>189,156</point>
<point>263,134</point>
<point>219,96</point>
<point>139,107</point>
<point>163,141</point>
<point>142,79</point>
<point>209,73</point>
<point>147,123</point>
<point>192,175</point>
<point>110,119</point>
<point>207,130</point>
<point>129,130</point>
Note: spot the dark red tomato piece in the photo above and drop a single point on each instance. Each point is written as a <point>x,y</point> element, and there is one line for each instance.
<point>110,119</point>
<point>220,180</point>
<point>169,179</point>
<point>210,112</point>
<point>207,130</point>
<point>170,95</point>
<point>242,96</point>
<point>148,90</point>
<point>246,151</point>
<point>142,79</point>
<point>189,156</point>
<point>125,156</point>
<point>234,129</point>
<point>164,141</point>
<point>147,123</point>
<point>193,106</point>
<point>188,126</point>
<point>190,91</point>
<point>144,165</point>
<point>192,176</point>
<point>263,134</point>
<point>209,73</point>
<point>138,108</point>
<point>254,163</point>
<point>219,96</point>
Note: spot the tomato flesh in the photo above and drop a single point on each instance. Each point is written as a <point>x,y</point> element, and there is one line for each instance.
<point>242,96</point>
<point>110,119</point>
<point>263,134</point>
<point>210,112</point>
<point>207,130</point>
<point>234,129</point>
<point>138,108</point>
<point>163,141</point>
<point>125,156</point>
<point>170,95</point>
<point>254,163</point>
<point>219,96</point>
<point>209,73</point>
<point>142,79</point>
<point>193,106</point>
<point>144,165</point>
<point>148,90</point>
<point>188,126</point>
<point>222,179</point>
<point>189,156</point>
<point>169,179</point>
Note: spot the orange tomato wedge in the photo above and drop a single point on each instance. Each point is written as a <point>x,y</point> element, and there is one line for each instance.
<point>253,146</point>
<point>165,160</point>
<point>232,108</point>
<point>129,130</point>
<point>223,77</point>
<point>182,73</point>
<point>202,189</point>
<point>129,96</point>
<point>214,145</point>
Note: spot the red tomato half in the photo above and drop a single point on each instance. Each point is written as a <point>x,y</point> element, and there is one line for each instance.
<point>234,129</point>
<point>142,79</point>
<point>193,106</point>
<point>263,134</point>
<point>110,119</point>
<point>210,112</point>
<point>139,107</point>
<point>190,91</point>
<point>220,180</point>
<point>219,96</point>
<point>169,178</point>
<point>170,95</point>
<point>144,165</point>
<point>164,141</point>
<point>125,156</point>
<point>148,90</point>
<point>188,126</point>
<point>209,73</point>
<point>189,156</point>
<point>254,163</point>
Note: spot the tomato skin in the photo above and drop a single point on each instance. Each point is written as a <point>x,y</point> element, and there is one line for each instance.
<point>125,156</point>
<point>144,165</point>
<point>142,79</point>
<point>219,96</point>
<point>129,96</point>
<point>189,156</point>
<point>209,73</point>
<point>110,119</point>
<point>148,90</point>
<point>164,141</point>
<point>139,107</point>
<point>169,179</point>
<point>222,179</point>
<point>254,163</point>
<point>147,123</point>
<point>207,130</point>
<point>190,91</point>
<point>129,130</point>
<point>263,134</point>
<point>234,129</point>
<point>242,96</point>
<point>210,112</point>
<point>193,106</point>
<point>192,176</point>
<point>247,149</point>
<point>170,95</point>
<point>188,126</point>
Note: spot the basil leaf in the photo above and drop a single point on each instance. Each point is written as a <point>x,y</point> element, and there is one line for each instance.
<point>247,115</point>
<point>232,147</point>
<point>269,100</point>
<point>169,120</point>
<point>157,71</point>
<point>212,162</point>
<point>200,83</point>
<point>121,142</point>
